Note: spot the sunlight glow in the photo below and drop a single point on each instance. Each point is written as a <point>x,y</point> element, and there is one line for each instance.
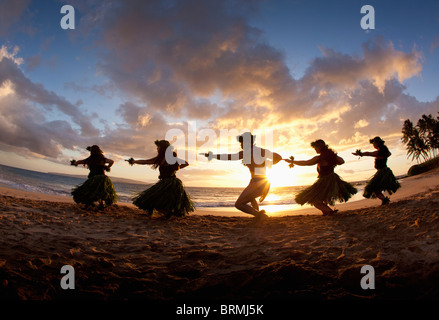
<point>280,175</point>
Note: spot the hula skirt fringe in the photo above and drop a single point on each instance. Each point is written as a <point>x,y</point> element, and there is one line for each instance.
<point>96,188</point>
<point>382,180</point>
<point>168,196</point>
<point>327,189</point>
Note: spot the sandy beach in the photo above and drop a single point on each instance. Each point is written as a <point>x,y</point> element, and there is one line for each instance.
<point>120,253</point>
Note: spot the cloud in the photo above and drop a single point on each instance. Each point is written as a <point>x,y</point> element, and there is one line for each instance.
<point>33,62</point>
<point>176,61</point>
<point>11,54</point>
<point>10,13</point>
<point>25,126</point>
<point>26,89</point>
<point>348,98</point>
<point>434,44</point>
<point>192,51</point>
<point>26,109</point>
<point>203,61</point>
<point>371,112</point>
<point>380,62</point>
<point>106,89</point>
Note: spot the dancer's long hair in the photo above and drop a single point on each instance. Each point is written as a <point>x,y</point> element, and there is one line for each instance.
<point>160,159</point>
<point>383,148</point>
<point>325,152</point>
<point>96,156</point>
<point>247,140</point>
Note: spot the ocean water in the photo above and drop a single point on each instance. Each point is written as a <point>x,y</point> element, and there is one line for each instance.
<point>204,197</point>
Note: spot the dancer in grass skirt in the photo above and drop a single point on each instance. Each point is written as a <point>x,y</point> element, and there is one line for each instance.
<point>383,179</point>
<point>329,187</point>
<point>98,187</point>
<point>168,196</point>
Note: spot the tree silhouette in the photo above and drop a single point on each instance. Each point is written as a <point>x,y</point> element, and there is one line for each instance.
<point>421,140</point>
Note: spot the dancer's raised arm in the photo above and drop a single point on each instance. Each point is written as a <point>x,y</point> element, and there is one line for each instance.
<point>225,156</point>
<point>312,161</point>
<point>131,161</point>
<point>182,163</point>
<point>375,154</point>
<point>240,155</point>
<point>367,153</point>
<point>276,157</point>
<point>271,155</point>
<point>108,163</point>
<point>78,162</point>
<point>309,162</point>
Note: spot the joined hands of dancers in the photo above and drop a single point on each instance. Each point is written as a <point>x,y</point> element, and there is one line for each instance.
<point>290,161</point>
<point>131,161</point>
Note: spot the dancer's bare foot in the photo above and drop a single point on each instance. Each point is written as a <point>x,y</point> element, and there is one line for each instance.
<point>261,215</point>
<point>330,212</point>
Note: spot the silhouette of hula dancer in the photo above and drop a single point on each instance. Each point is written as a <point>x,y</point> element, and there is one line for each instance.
<point>168,196</point>
<point>254,158</point>
<point>383,179</point>
<point>329,187</point>
<point>98,187</point>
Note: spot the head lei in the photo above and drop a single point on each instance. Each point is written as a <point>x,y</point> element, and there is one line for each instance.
<point>94,149</point>
<point>377,140</point>
<point>164,146</point>
<point>246,138</point>
<point>319,144</point>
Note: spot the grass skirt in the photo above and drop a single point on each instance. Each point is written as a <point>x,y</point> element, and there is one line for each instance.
<point>326,189</point>
<point>94,189</point>
<point>382,180</point>
<point>168,195</point>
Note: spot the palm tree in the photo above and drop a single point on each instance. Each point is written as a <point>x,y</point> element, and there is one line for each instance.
<point>416,144</point>
<point>428,129</point>
<point>407,131</point>
<point>435,137</point>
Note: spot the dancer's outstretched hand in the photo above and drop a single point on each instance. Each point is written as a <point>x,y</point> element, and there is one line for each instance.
<point>73,163</point>
<point>130,161</point>
<point>208,155</point>
<point>290,161</point>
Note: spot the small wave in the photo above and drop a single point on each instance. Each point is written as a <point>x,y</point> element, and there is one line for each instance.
<point>15,185</point>
<point>36,189</point>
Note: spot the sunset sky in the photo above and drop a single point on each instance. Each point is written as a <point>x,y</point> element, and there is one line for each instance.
<point>135,71</point>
